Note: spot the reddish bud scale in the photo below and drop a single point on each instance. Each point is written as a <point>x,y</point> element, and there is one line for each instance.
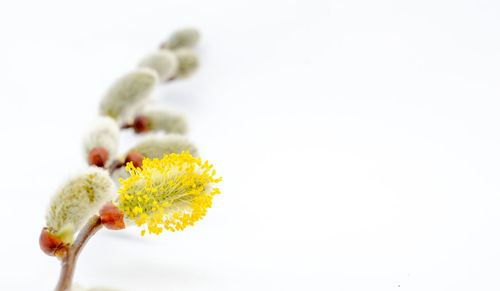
<point>141,124</point>
<point>51,244</point>
<point>134,157</point>
<point>111,216</point>
<point>98,156</point>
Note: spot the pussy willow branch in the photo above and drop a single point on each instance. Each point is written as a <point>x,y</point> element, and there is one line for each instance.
<point>68,261</point>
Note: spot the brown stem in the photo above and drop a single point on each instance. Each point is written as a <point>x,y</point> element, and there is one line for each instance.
<point>115,165</point>
<point>69,259</point>
<point>127,125</point>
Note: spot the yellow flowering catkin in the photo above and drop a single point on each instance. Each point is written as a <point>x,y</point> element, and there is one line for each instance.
<point>170,193</point>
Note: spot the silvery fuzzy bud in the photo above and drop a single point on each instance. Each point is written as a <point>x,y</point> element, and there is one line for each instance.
<point>164,62</point>
<point>156,145</point>
<point>187,37</point>
<point>131,112</point>
<point>188,63</point>
<point>163,119</point>
<point>102,133</point>
<point>127,91</point>
<point>77,200</point>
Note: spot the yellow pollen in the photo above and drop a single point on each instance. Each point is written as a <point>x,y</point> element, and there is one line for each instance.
<point>180,183</point>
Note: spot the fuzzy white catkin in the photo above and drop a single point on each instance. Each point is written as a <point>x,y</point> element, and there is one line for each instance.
<point>103,132</point>
<point>131,112</point>
<point>164,62</point>
<point>188,62</point>
<point>187,37</point>
<point>155,145</point>
<point>128,90</point>
<point>80,197</point>
<point>165,119</point>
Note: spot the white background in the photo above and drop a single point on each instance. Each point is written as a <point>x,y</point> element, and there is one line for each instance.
<point>358,141</point>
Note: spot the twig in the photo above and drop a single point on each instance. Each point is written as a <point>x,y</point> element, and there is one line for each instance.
<point>115,165</point>
<point>69,259</point>
<point>127,125</point>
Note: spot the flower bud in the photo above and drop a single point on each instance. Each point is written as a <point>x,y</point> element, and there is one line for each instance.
<point>188,63</point>
<point>127,91</point>
<point>162,118</point>
<point>98,157</point>
<point>112,217</point>
<point>164,62</point>
<point>134,157</point>
<point>51,244</point>
<point>79,198</point>
<point>187,37</point>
